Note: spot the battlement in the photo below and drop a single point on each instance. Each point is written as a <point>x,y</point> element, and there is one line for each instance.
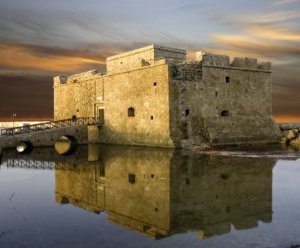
<point>209,59</point>
<point>187,70</point>
<point>142,57</point>
<point>75,78</point>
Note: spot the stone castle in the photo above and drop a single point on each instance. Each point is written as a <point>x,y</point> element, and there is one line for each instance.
<point>153,96</point>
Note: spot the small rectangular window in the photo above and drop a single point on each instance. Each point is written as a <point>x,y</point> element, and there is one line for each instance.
<point>131,178</point>
<point>225,113</point>
<point>227,79</point>
<point>131,112</point>
<point>187,112</point>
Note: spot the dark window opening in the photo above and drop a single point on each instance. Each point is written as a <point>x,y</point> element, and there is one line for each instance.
<point>187,181</point>
<point>154,84</point>
<point>64,200</point>
<point>216,93</point>
<point>74,118</point>
<point>131,178</point>
<point>152,175</point>
<point>225,113</point>
<point>224,176</point>
<point>187,112</point>
<point>228,210</point>
<point>151,117</point>
<point>102,170</point>
<point>101,115</point>
<point>146,228</point>
<point>131,112</point>
<point>227,79</point>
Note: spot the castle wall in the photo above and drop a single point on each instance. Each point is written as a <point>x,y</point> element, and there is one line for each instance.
<point>228,104</point>
<point>146,91</point>
<point>142,57</point>
<point>172,102</point>
<point>77,95</point>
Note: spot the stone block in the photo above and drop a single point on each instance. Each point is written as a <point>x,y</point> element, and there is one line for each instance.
<point>288,134</point>
<point>250,63</point>
<point>238,62</point>
<point>215,60</point>
<point>59,80</point>
<point>264,66</point>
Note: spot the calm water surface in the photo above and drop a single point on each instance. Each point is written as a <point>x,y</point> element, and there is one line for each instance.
<point>111,196</point>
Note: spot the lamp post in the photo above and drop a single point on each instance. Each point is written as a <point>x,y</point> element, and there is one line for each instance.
<point>14,115</point>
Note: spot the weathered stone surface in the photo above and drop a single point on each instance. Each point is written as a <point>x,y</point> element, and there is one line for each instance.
<point>47,137</point>
<point>289,126</point>
<point>295,141</point>
<point>288,134</point>
<point>152,96</point>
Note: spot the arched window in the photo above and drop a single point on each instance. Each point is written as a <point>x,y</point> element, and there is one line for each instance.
<point>131,112</point>
<point>74,118</point>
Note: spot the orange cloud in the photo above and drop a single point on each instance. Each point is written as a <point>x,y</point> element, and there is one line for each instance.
<point>266,48</point>
<point>25,57</point>
<point>275,33</point>
<point>286,118</point>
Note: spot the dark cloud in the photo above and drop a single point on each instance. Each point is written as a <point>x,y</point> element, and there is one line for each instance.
<point>26,96</point>
<point>286,90</point>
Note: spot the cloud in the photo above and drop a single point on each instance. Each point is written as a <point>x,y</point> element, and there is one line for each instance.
<point>263,47</point>
<point>283,2</point>
<point>275,33</point>
<point>276,16</point>
<point>42,58</point>
<point>27,96</point>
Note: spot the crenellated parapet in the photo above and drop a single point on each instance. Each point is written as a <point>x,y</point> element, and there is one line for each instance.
<point>76,78</point>
<point>209,59</point>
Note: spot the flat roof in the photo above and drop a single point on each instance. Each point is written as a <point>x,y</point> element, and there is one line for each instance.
<point>143,49</point>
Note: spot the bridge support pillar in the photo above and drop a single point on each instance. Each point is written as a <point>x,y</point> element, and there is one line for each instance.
<point>94,133</point>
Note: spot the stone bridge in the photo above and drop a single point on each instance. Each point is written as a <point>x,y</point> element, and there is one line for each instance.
<point>82,130</point>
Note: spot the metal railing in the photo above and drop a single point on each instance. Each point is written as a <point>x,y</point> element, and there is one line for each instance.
<point>51,124</point>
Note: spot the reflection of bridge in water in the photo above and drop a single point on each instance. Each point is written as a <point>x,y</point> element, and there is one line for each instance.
<point>41,158</point>
<point>30,164</point>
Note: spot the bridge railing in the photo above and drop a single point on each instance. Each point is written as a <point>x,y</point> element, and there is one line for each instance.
<point>52,124</point>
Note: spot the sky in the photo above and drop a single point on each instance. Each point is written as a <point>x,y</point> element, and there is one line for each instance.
<point>41,39</point>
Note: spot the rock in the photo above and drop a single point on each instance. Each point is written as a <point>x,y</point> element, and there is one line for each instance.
<point>283,140</point>
<point>295,141</point>
<point>289,134</point>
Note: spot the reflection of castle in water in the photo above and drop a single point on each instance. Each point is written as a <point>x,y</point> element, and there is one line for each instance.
<point>159,193</point>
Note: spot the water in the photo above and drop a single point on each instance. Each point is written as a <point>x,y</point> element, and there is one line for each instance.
<point>112,196</point>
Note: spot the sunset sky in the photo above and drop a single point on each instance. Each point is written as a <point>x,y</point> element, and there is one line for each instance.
<point>41,39</point>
